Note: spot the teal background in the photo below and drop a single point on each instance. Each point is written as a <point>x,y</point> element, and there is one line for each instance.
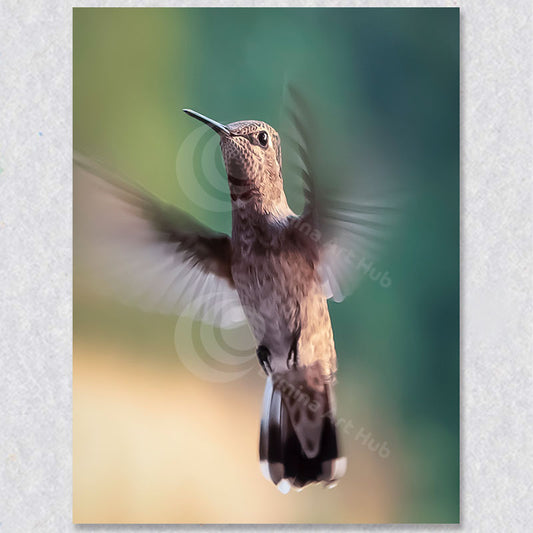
<point>386,87</point>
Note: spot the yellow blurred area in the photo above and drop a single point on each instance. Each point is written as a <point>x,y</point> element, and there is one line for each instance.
<point>152,443</point>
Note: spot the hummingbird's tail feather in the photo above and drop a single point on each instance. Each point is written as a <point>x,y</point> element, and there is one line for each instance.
<point>298,439</point>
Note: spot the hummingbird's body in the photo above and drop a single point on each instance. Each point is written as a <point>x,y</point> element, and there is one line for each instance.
<point>274,262</point>
<point>281,292</point>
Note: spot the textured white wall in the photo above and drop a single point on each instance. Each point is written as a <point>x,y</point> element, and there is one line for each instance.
<point>36,261</point>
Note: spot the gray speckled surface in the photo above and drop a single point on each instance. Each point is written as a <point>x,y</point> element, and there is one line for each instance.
<point>36,260</point>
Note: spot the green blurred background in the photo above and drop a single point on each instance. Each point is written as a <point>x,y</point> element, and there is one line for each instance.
<point>154,442</point>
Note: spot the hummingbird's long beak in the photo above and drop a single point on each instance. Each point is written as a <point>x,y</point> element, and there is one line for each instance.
<point>219,128</point>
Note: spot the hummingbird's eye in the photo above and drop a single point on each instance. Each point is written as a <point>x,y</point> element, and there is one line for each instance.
<point>263,138</point>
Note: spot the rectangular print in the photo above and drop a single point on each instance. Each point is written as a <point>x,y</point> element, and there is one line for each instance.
<point>266,265</point>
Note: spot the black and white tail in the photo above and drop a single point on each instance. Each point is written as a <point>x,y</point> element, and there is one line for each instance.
<point>298,440</point>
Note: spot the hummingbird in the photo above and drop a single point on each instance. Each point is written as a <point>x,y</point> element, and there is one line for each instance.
<point>279,267</point>
<point>274,268</point>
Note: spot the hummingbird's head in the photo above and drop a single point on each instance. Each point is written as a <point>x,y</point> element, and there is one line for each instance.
<point>252,154</point>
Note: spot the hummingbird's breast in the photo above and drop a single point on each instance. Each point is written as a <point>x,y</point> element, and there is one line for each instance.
<point>281,293</point>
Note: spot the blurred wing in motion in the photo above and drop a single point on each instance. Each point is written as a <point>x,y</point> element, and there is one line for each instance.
<point>350,234</point>
<point>155,255</point>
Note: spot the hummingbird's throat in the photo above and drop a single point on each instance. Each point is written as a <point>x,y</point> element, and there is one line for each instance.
<point>241,188</point>
<point>254,198</point>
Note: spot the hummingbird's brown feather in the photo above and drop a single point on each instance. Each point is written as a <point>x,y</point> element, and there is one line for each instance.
<point>155,255</point>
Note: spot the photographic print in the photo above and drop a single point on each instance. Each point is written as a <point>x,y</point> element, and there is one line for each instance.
<point>266,265</point>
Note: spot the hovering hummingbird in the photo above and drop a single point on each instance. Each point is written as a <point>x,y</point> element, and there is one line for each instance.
<point>279,267</point>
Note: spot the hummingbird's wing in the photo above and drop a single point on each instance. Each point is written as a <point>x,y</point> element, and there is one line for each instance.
<point>153,254</point>
<point>350,233</point>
